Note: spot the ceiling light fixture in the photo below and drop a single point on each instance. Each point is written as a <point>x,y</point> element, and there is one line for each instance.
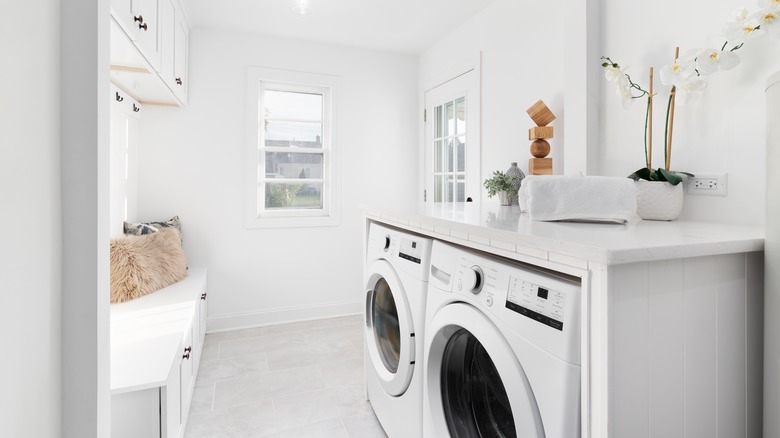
<point>302,7</point>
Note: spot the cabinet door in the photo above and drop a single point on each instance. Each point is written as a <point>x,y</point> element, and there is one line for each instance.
<point>139,20</point>
<point>168,48</point>
<point>187,360</point>
<point>136,414</point>
<point>181,58</point>
<point>204,305</point>
<point>171,403</point>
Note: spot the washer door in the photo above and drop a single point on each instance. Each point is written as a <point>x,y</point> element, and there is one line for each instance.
<point>476,385</point>
<point>389,330</point>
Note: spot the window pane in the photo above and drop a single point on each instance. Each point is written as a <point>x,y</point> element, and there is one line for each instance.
<point>437,128</point>
<point>461,189</point>
<point>289,196</point>
<point>293,134</point>
<point>460,116</point>
<point>437,155</point>
<point>291,165</point>
<point>449,155</point>
<point>449,127</point>
<point>287,105</point>
<point>460,153</point>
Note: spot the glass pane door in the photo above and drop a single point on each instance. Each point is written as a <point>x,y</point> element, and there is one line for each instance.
<point>449,144</point>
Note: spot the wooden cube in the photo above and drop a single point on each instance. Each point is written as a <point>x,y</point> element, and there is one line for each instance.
<point>540,166</point>
<point>538,132</point>
<point>540,114</point>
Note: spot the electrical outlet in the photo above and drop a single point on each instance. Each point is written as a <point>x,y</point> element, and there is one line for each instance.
<point>708,184</point>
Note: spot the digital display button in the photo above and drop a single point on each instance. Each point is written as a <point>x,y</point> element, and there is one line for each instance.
<point>414,245</point>
<point>410,258</point>
<point>542,293</point>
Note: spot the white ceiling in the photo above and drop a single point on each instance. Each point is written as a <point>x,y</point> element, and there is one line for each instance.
<point>406,26</point>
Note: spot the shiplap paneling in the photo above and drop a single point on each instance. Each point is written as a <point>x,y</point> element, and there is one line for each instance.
<point>731,353</point>
<point>754,343</point>
<point>666,349</point>
<point>686,343</point>
<point>700,282</point>
<point>630,358</point>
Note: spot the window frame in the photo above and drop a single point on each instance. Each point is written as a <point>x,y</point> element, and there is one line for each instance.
<point>257,216</point>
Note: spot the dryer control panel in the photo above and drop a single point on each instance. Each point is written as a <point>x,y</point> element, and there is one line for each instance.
<point>536,302</point>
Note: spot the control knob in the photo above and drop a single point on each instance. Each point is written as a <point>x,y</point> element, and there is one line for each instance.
<point>472,279</point>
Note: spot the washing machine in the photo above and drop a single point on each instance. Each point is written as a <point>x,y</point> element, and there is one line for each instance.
<point>397,267</point>
<point>502,348</point>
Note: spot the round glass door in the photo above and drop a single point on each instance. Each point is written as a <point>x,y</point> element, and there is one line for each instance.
<point>389,332</point>
<point>476,385</point>
<point>473,395</point>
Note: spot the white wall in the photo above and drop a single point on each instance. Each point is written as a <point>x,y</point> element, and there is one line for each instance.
<point>191,164</point>
<point>30,261</point>
<point>723,131</point>
<point>522,44</point>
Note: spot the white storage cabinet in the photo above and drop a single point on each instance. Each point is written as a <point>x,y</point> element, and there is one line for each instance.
<point>156,343</point>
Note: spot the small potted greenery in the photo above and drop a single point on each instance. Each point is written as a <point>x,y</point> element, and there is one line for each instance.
<point>501,184</point>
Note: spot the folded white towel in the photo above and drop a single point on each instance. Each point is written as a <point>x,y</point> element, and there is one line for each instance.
<point>583,198</point>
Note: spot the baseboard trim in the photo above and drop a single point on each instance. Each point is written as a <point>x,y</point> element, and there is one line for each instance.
<point>261,318</point>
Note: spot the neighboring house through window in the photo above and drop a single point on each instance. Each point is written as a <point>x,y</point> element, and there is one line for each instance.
<point>292,148</point>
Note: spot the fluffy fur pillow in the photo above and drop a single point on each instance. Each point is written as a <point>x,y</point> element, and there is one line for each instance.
<point>143,264</point>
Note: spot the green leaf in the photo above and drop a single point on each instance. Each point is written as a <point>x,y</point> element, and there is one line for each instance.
<point>672,177</point>
<point>643,173</point>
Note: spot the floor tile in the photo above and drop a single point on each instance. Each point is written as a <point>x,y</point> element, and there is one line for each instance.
<point>364,426</point>
<point>333,334</point>
<point>326,429</point>
<point>249,346</point>
<point>202,397</point>
<point>298,355</point>
<point>301,326</point>
<point>359,346</point>
<point>211,371</point>
<point>236,334</point>
<point>318,406</point>
<point>244,421</point>
<point>246,390</point>
<point>346,372</point>
<point>210,349</point>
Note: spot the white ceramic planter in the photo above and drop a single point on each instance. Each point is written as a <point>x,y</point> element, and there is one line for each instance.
<point>658,200</point>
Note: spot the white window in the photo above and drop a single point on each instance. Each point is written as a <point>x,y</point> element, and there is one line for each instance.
<point>291,177</point>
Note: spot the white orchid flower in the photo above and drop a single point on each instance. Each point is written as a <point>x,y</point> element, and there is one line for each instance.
<point>676,73</point>
<point>712,60</point>
<point>623,90</point>
<point>688,87</point>
<point>769,18</point>
<point>746,30</point>
<point>771,4</point>
<point>613,73</point>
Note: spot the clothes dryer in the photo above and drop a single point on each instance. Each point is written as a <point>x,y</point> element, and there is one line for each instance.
<point>397,267</point>
<point>502,348</point>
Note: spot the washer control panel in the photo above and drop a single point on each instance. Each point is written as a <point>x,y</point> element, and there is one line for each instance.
<point>537,302</point>
<point>410,250</point>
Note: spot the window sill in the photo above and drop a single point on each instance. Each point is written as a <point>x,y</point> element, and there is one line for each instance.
<point>293,222</point>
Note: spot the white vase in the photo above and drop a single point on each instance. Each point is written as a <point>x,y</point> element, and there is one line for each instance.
<point>658,200</point>
<point>505,198</point>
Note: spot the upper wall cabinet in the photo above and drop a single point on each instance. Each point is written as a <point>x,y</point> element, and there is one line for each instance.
<point>149,50</point>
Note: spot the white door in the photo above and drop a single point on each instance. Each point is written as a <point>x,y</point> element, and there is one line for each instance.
<point>452,140</point>
<point>389,330</point>
<point>476,385</point>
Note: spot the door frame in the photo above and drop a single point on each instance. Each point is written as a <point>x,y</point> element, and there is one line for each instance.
<point>456,69</point>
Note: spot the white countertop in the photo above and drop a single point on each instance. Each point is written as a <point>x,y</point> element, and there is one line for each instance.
<point>508,229</point>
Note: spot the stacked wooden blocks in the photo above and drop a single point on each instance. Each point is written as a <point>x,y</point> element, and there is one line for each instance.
<point>540,148</point>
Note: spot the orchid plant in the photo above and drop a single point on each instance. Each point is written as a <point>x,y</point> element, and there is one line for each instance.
<point>685,76</point>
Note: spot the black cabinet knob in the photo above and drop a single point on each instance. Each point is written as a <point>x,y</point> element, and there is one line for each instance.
<point>118,97</point>
<point>136,109</point>
<point>179,81</point>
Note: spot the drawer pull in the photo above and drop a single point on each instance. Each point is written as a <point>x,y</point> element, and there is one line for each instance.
<point>118,97</point>
<point>179,81</point>
<point>143,26</point>
<point>188,349</point>
<point>139,19</point>
<point>203,296</point>
<point>136,109</point>
<point>186,356</point>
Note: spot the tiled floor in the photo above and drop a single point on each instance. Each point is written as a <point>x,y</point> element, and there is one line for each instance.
<point>292,380</point>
